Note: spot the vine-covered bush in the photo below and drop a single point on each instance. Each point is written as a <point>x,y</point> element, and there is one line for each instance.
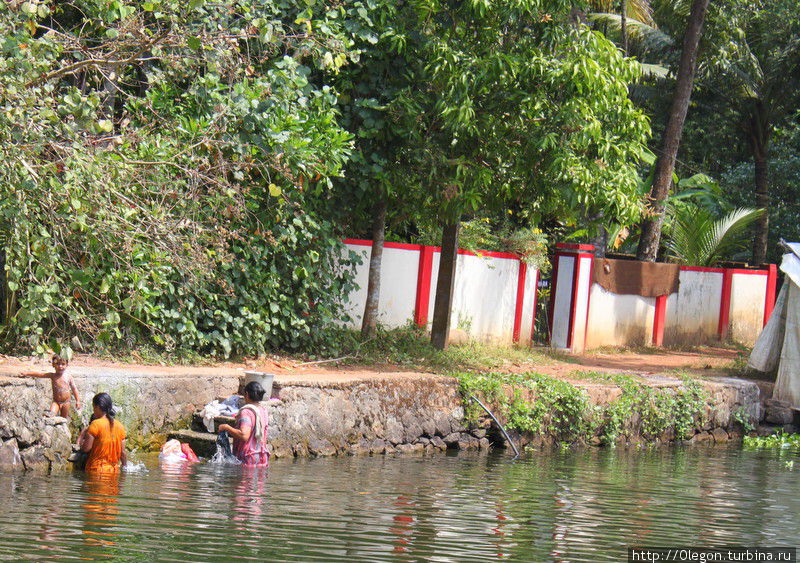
<point>531,402</point>
<point>156,190</point>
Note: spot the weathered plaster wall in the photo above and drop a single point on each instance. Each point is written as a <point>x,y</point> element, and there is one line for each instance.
<point>484,294</point>
<point>619,320</point>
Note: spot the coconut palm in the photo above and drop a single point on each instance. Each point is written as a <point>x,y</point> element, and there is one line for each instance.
<point>756,73</point>
<point>698,238</point>
<point>750,67</point>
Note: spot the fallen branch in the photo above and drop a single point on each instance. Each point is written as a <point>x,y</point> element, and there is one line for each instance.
<point>323,361</point>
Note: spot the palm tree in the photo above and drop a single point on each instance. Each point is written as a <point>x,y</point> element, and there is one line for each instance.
<point>698,238</point>
<point>665,165</point>
<point>750,65</point>
<point>757,75</point>
<point>652,224</point>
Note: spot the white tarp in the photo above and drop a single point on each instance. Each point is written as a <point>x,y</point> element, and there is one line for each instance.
<point>779,342</point>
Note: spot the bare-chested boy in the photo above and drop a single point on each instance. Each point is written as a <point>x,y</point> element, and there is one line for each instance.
<point>63,385</point>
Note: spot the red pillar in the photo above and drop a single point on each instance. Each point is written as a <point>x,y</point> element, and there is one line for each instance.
<point>659,320</point>
<point>523,269</point>
<point>725,304</point>
<point>772,282</point>
<point>422,305</point>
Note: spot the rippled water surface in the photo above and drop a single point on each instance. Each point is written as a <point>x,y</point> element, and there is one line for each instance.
<point>574,506</point>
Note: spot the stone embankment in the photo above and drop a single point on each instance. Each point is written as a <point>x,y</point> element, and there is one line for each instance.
<point>314,415</point>
<point>28,439</point>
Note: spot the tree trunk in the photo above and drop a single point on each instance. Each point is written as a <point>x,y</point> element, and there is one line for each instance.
<point>665,165</point>
<point>762,202</point>
<point>624,26</point>
<point>440,331</point>
<point>601,243</point>
<point>369,324</point>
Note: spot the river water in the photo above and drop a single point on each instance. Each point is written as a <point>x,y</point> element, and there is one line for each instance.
<point>588,505</point>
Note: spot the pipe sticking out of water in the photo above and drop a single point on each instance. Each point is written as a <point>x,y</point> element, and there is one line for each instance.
<point>503,430</point>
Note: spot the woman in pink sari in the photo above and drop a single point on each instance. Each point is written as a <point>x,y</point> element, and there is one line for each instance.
<point>250,434</point>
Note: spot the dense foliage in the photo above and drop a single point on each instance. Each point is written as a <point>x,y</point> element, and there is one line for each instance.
<point>180,173</point>
<point>157,158</point>
<point>745,104</point>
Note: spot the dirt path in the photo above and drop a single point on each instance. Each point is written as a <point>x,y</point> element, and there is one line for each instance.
<point>706,361</point>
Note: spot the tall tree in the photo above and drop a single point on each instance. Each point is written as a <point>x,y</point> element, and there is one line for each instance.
<point>757,76</point>
<point>651,226</point>
<point>515,104</point>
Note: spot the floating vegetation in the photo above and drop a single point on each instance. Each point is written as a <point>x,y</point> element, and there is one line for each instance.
<point>779,440</point>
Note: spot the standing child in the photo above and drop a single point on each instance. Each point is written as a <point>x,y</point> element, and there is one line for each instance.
<point>63,385</point>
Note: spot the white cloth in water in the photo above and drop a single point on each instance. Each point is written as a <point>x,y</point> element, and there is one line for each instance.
<point>171,452</point>
<point>229,407</point>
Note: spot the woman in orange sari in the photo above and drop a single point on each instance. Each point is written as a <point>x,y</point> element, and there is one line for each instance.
<point>104,440</point>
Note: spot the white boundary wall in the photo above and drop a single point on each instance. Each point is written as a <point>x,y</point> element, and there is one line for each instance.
<point>494,292</point>
<point>711,305</point>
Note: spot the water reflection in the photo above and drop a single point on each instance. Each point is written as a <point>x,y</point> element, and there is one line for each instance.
<point>100,506</point>
<point>579,506</point>
<point>250,496</point>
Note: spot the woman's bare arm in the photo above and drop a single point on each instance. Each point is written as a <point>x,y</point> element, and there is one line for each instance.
<point>88,442</point>
<point>124,456</point>
<point>242,435</point>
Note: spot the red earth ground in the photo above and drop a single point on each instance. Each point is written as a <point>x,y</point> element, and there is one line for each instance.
<point>715,361</point>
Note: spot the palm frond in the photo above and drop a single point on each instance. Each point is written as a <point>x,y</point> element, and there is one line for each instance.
<point>637,9</point>
<point>647,42</point>
<point>698,239</point>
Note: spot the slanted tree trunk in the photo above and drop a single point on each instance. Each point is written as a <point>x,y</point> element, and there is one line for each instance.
<point>624,26</point>
<point>369,324</point>
<point>440,330</point>
<point>762,202</point>
<point>665,165</point>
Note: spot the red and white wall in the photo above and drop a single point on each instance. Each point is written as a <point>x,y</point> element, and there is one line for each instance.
<point>712,304</point>
<point>494,292</point>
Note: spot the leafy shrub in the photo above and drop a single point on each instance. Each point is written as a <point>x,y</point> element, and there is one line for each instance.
<point>532,402</point>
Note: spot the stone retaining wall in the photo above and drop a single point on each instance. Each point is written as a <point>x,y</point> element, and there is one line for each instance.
<point>28,439</point>
<point>373,415</point>
<point>327,415</point>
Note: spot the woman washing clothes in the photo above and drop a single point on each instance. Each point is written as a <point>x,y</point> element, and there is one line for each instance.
<point>104,440</point>
<point>250,434</point>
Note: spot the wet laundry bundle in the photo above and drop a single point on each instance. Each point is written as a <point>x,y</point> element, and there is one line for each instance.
<point>174,451</point>
<point>228,407</point>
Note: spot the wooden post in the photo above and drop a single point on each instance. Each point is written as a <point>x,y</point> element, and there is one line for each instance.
<point>440,331</point>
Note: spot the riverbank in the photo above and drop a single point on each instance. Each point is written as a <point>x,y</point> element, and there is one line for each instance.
<point>353,410</point>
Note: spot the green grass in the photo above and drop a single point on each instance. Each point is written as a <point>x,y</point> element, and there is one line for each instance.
<point>410,348</point>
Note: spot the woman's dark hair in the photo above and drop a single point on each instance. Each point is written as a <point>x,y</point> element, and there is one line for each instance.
<point>254,391</point>
<point>104,403</point>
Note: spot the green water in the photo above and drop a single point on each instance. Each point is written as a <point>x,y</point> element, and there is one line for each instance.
<point>574,506</point>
